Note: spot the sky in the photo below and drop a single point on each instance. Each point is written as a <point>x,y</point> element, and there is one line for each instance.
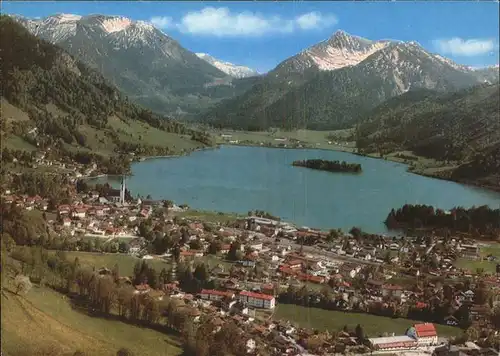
<point>262,34</point>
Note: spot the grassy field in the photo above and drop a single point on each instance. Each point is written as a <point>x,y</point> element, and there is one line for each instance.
<point>487,266</point>
<point>208,216</point>
<point>126,262</point>
<point>335,320</point>
<point>44,323</point>
<point>318,139</point>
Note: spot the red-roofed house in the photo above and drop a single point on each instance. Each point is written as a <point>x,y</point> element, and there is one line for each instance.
<point>225,248</point>
<point>425,333</point>
<point>79,212</point>
<point>142,288</point>
<point>63,209</point>
<point>257,300</point>
<point>212,294</point>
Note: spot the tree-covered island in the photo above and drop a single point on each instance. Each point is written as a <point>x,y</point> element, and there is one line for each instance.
<point>330,166</point>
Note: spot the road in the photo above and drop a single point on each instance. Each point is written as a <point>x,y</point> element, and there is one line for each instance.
<point>320,252</point>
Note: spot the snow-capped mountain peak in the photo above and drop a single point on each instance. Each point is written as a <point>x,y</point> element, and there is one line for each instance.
<point>115,24</point>
<point>67,17</point>
<point>233,70</point>
<point>340,50</point>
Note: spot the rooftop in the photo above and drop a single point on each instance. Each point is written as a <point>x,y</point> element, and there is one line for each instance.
<point>391,339</point>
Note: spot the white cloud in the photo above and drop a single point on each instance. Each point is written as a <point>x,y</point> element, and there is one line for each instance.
<point>468,48</point>
<point>221,22</point>
<point>314,20</point>
<point>162,21</point>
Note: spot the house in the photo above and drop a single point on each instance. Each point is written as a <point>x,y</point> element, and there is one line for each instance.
<point>212,294</point>
<point>256,246</point>
<point>393,343</point>
<point>424,333</point>
<point>250,344</point>
<point>67,222</point>
<point>190,254</point>
<point>470,252</point>
<point>79,213</point>
<point>142,288</point>
<point>295,264</point>
<point>63,209</point>
<point>392,290</point>
<point>225,248</point>
<point>257,300</point>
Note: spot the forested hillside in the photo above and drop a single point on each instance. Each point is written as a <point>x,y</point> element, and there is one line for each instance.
<point>50,100</point>
<point>463,127</point>
<point>338,98</point>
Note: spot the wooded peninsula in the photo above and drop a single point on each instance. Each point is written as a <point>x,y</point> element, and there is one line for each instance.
<point>330,166</point>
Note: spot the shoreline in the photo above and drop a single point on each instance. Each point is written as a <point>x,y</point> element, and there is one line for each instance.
<point>146,158</point>
<point>495,189</point>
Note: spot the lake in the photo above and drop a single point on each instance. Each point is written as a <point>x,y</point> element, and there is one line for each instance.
<point>239,179</point>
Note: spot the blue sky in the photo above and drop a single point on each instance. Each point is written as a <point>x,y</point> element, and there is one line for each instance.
<point>262,34</point>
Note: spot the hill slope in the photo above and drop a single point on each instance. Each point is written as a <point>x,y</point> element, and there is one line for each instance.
<point>462,127</point>
<point>146,64</point>
<point>353,76</point>
<point>53,100</point>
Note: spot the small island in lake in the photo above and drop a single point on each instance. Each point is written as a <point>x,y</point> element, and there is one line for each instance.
<point>330,166</point>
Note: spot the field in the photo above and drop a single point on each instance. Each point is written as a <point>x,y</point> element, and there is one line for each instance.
<point>44,323</point>
<point>487,266</point>
<point>335,320</point>
<point>126,262</point>
<point>208,216</point>
<point>318,139</point>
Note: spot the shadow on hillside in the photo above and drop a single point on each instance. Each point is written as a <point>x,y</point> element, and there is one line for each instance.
<point>83,306</point>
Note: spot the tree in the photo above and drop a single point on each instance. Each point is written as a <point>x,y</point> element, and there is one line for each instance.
<point>123,247</point>
<point>472,334</point>
<point>360,334</point>
<point>22,284</point>
<point>201,273</point>
<point>234,250</point>
<point>124,352</point>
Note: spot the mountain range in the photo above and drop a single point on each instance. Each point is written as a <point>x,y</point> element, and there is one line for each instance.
<point>333,83</point>
<point>52,101</point>
<point>146,64</point>
<point>233,70</point>
<point>326,86</point>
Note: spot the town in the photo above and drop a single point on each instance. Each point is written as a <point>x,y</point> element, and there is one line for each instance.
<point>256,265</point>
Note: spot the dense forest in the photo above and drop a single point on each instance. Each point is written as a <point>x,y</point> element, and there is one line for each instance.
<point>330,166</point>
<point>69,104</point>
<point>478,220</point>
<point>460,129</point>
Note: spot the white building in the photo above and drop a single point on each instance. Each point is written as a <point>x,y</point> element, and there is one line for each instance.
<point>257,300</point>
<point>211,294</point>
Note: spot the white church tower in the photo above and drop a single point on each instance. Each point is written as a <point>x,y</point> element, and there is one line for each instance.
<point>122,191</point>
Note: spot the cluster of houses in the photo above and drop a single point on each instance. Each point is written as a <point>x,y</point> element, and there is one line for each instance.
<point>271,260</point>
<point>416,337</point>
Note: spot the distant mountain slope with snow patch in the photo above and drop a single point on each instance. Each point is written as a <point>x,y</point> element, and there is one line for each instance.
<point>233,70</point>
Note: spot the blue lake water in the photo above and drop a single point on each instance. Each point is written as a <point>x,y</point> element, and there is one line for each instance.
<point>239,179</point>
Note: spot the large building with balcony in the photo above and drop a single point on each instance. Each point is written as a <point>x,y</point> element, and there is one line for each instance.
<point>257,300</point>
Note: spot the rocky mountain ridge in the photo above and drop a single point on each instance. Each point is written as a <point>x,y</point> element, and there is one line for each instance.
<point>233,70</point>
<point>146,64</point>
<point>300,93</point>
